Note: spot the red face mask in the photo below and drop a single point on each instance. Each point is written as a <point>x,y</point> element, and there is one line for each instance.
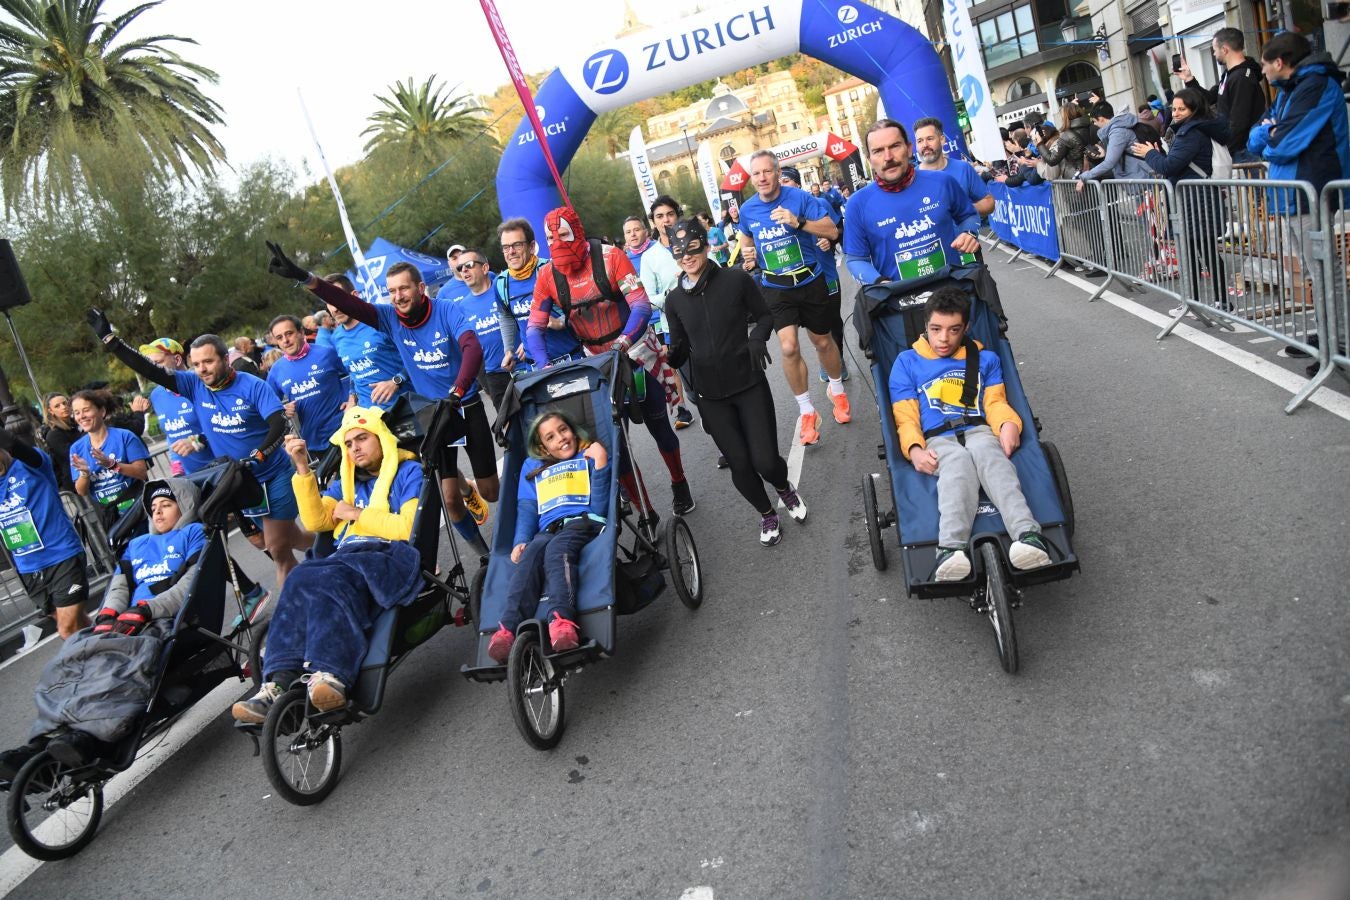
<point>566,240</point>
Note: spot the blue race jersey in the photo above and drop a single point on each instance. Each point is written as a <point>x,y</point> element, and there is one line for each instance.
<point>313,382</point>
<point>407,486</point>
<point>430,352</point>
<point>122,446</point>
<point>970,181</point>
<point>452,290</point>
<point>781,250</point>
<point>481,314</point>
<point>323,338</point>
<point>369,358</point>
<point>518,295</point>
<point>155,557</point>
<point>178,420</point>
<point>235,417</point>
<point>35,528</point>
<point>907,236</point>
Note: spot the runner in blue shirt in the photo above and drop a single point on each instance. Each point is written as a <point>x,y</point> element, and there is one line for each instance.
<point>928,143</point>
<point>825,252</point>
<point>309,379</point>
<point>453,289</point>
<point>376,370</point>
<point>779,227</point>
<point>107,461</point>
<point>443,359</point>
<point>188,449</point>
<point>515,292</point>
<point>480,310</point>
<point>37,533</point>
<point>244,420</point>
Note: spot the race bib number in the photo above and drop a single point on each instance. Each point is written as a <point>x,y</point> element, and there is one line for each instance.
<point>782,254</point>
<point>567,483</point>
<point>921,262</point>
<point>20,533</point>
<point>262,509</point>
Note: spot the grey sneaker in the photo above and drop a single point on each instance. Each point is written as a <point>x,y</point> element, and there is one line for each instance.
<point>1029,552</point>
<point>793,503</point>
<point>254,710</point>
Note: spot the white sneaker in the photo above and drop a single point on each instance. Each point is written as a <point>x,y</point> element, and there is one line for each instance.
<point>1028,552</point>
<point>953,564</point>
<point>254,710</point>
<point>326,693</point>
<point>793,503</point>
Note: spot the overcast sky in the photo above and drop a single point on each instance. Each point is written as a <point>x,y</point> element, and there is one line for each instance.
<point>341,53</point>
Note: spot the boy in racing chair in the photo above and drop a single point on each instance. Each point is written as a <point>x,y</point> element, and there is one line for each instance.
<point>954,421</point>
<point>321,626</point>
<point>85,699</point>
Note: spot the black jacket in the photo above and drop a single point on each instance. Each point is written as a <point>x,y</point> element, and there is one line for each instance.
<point>1190,146</point>
<point>1239,98</point>
<point>708,328</point>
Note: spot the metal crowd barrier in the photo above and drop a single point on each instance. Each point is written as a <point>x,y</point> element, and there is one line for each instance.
<point>1246,250</point>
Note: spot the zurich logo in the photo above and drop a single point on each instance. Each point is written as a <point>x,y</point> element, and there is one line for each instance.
<point>972,94</point>
<point>606,71</point>
<point>539,111</point>
<point>847,15</point>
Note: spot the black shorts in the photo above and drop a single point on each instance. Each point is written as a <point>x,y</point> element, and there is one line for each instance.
<point>58,586</point>
<point>810,306</point>
<point>478,442</point>
<point>496,385</point>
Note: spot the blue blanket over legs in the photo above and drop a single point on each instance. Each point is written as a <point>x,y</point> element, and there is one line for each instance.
<point>327,608</point>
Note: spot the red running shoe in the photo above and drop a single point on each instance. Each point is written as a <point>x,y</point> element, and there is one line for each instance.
<point>499,647</point>
<point>562,634</point>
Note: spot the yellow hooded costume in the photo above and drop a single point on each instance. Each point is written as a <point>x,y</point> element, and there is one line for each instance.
<point>377,519</point>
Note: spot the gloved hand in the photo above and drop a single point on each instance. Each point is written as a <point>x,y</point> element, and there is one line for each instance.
<point>99,322</point>
<point>105,620</point>
<point>759,354</point>
<point>622,344</point>
<point>134,620</point>
<point>282,265</point>
<point>454,399</point>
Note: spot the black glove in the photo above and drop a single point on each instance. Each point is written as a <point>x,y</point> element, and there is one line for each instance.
<point>759,354</point>
<point>6,440</point>
<point>454,399</point>
<point>99,322</point>
<point>134,620</point>
<point>105,620</point>
<point>281,264</point>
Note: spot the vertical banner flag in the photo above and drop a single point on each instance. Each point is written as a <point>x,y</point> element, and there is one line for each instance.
<point>642,170</point>
<point>494,21</point>
<point>707,172</point>
<point>971,80</point>
<point>352,244</point>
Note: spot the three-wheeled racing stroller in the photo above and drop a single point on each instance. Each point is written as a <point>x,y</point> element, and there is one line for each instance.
<point>54,808</point>
<point>301,746</point>
<point>889,320</point>
<point>621,568</point>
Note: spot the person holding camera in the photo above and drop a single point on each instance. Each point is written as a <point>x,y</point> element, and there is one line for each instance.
<point>1238,96</point>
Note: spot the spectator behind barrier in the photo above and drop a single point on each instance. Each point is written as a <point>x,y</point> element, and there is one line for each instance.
<point>1238,96</point>
<point>1116,133</point>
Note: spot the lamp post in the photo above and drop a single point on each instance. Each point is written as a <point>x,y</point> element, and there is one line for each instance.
<point>693,163</point>
<point>1069,28</point>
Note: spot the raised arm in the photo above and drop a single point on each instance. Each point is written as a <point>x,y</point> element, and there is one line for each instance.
<point>283,266</point>
<point>129,357</point>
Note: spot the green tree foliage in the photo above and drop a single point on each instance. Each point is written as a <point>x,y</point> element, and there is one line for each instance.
<point>69,94</point>
<point>422,121</point>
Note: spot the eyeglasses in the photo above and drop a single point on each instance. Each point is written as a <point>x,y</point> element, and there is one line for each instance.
<point>513,246</point>
<point>468,265</point>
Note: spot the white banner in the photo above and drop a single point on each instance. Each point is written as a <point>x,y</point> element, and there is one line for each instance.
<point>352,244</point>
<point>642,170</point>
<point>971,80</point>
<point>711,178</point>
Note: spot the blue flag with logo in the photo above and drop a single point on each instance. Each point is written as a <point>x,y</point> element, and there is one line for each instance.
<point>1025,217</point>
<point>383,254</point>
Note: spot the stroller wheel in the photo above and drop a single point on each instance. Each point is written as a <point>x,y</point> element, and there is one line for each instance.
<point>302,760</point>
<point>998,601</point>
<point>536,698</point>
<point>52,815</point>
<point>682,557</point>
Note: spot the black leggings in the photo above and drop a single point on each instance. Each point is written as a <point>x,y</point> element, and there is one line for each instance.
<point>746,431</point>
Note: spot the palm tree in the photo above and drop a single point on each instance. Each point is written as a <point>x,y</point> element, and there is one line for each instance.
<point>423,119</point>
<point>78,110</point>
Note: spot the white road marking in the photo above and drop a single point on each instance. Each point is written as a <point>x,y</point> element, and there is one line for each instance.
<point>1260,340</point>
<point>702,892</point>
<point>16,866</point>
<point>1333,402</point>
<point>18,656</point>
<point>796,453</point>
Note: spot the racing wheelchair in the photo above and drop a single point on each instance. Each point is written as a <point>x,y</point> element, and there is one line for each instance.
<point>889,320</point>
<point>54,809</point>
<point>301,747</point>
<point>621,568</point>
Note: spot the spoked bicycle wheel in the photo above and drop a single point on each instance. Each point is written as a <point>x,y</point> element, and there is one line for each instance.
<point>682,557</point>
<point>51,815</point>
<point>302,760</point>
<point>998,600</point>
<point>257,647</point>
<point>536,704</point>
<point>873,519</point>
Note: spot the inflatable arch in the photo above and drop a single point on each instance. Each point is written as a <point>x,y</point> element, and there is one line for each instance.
<point>852,36</point>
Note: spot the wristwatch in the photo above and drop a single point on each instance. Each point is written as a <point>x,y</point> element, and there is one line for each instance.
<point>257,456</point>
<point>398,379</point>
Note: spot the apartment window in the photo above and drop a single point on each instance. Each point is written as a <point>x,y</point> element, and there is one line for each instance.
<point>845,130</point>
<point>1021,89</point>
<point>1008,36</point>
<point>853,95</point>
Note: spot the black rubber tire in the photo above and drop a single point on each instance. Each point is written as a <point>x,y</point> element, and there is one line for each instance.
<point>873,518</point>
<point>32,788</point>
<point>999,598</point>
<point>257,636</point>
<point>1061,483</point>
<point>538,711</point>
<point>476,596</point>
<point>682,557</point>
<point>284,720</point>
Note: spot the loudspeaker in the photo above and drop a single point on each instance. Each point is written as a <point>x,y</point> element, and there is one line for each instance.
<point>13,289</point>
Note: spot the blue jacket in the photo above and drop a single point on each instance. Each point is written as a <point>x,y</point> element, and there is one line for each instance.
<point>1117,136</point>
<point>1305,136</point>
<point>1191,143</point>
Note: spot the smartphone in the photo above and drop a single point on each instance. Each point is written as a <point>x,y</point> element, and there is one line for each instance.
<point>1176,62</point>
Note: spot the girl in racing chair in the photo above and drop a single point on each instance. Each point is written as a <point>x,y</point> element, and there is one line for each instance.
<point>321,627</point>
<point>85,699</point>
<point>561,505</point>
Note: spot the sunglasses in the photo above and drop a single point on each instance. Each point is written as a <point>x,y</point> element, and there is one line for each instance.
<point>468,265</point>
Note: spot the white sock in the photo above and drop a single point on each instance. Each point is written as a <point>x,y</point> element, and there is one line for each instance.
<point>836,386</point>
<point>804,406</point>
